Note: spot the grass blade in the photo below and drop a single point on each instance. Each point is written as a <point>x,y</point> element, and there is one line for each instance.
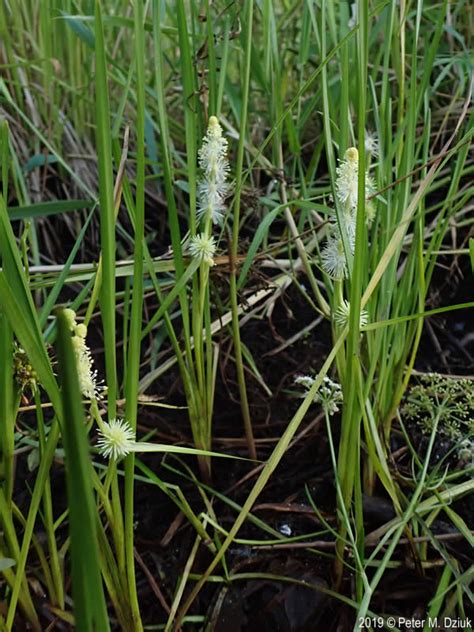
<point>89,603</point>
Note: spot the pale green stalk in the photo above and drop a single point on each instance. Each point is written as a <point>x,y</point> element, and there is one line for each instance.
<point>107,214</point>
<point>134,345</point>
<point>55,563</point>
<point>235,233</point>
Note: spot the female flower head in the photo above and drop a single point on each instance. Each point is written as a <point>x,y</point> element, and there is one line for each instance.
<point>203,248</point>
<point>342,313</point>
<point>116,439</point>
<point>333,257</point>
<point>371,143</point>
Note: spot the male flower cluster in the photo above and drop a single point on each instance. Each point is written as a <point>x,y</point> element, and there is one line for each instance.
<point>333,256</point>
<point>213,188</point>
<point>84,362</point>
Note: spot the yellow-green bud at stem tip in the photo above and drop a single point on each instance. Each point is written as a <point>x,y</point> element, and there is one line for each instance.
<point>213,128</point>
<point>352,154</point>
<point>70,316</point>
<point>81,330</point>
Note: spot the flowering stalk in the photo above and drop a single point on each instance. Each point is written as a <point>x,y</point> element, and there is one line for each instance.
<point>91,390</point>
<point>334,257</point>
<point>212,191</point>
<point>116,440</point>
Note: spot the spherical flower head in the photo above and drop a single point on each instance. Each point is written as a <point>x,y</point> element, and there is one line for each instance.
<point>370,212</point>
<point>211,197</point>
<point>333,258</point>
<point>203,248</point>
<point>371,143</point>
<point>350,220</point>
<point>353,19</point>
<point>116,439</point>
<point>341,315</point>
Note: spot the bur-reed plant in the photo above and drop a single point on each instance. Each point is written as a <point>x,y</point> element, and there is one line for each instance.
<point>339,123</point>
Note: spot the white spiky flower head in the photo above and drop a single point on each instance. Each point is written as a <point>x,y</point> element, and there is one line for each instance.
<point>85,364</point>
<point>213,153</point>
<point>116,439</point>
<point>370,212</point>
<point>85,368</point>
<point>341,315</point>
<point>203,248</point>
<point>347,180</point>
<point>371,143</point>
<point>213,188</point>
<point>353,19</point>
<point>333,258</point>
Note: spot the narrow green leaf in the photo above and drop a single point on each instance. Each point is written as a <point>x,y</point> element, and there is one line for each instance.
<point>89,603</point>
<point>44,209</point>
<point>107,211</point>
<point>6,562</point>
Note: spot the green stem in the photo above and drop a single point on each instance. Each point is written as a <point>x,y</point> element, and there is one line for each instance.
<point>349,447</point>
<point>244,405</point>
<point>107,213</point>
<point>48,514</point>
<point>134,347</point>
